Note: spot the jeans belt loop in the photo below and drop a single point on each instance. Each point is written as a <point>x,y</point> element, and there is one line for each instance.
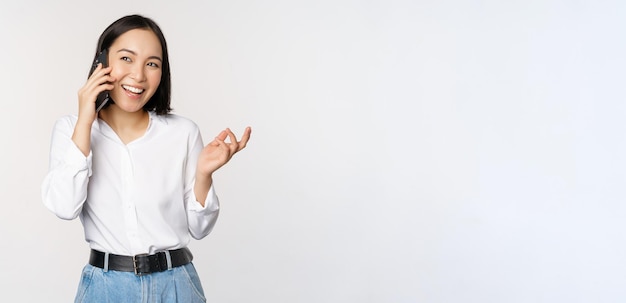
<point>135,265</point>
<point>106,262</point>
<point>168,257</point>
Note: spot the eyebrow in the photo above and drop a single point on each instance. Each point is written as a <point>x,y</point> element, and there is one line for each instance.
<point>134,53</point>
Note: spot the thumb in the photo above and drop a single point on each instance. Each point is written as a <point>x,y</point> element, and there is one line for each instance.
<point>222,136</point>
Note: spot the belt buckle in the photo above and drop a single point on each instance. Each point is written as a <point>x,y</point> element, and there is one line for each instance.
<point>138,273</point>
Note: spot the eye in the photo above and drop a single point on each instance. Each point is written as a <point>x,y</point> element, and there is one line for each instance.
<point>126,59</point>
<point>153,64</point>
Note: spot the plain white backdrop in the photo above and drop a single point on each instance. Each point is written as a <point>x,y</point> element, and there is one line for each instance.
<point>402,151</point>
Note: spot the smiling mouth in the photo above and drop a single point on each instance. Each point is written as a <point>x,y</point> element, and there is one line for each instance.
<point>132,89</point>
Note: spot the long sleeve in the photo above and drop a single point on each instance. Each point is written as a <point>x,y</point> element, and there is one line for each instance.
<point>64,189</point>
<point>134,197</point>
<point>201,220</point>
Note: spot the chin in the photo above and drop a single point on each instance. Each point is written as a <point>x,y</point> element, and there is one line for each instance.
<point>130,108</point>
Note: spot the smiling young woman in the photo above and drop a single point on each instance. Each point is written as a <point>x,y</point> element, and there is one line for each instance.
<point>139,177</point>
<point>135,64</point>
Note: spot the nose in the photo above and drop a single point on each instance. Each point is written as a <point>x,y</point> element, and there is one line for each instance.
<point>138,73</point>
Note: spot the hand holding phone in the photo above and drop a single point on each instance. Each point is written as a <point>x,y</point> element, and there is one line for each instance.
<point>103,97</point>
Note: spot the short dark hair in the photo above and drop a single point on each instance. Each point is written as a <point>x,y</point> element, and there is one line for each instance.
<point>160,101</point>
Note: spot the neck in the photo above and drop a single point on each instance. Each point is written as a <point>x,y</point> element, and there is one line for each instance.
<point>128,125</point>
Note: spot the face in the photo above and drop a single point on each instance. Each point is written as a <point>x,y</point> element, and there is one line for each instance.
<point>135,59</point>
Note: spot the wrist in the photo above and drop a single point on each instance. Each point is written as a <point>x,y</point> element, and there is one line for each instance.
<point>83,122</point>
<point>204,178</point>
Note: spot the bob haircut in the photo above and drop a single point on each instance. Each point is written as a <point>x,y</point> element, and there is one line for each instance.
<point>160,101</point>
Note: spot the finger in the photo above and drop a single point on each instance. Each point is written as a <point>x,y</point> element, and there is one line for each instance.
<point>110,78</point>
<point>227,153</point>
<point>233,141</point>
<point>214,143</point>
<point>103,85</point>
<point>108,86</point>
<point>222,136</point>
<point>245,138</point>
<point>105,80</point>
<point>90,90</point>
<point>100,71</point>
<point>96,81</point>
<point>95,71</point>
<point>219,142</point>
<point>103,76</point>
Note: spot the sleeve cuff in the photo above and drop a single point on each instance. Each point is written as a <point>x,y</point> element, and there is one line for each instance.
<point>211,204</point>
<point>77,160</point>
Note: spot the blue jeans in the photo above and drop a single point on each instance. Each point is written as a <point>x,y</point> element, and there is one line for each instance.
<point>180,284</point>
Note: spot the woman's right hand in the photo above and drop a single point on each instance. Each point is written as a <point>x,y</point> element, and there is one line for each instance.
<point>99,81</point>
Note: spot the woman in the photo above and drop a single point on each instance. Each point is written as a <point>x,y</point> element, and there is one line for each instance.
<point>139,178</point>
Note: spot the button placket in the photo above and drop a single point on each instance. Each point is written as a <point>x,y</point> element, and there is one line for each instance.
<point>130,213</point>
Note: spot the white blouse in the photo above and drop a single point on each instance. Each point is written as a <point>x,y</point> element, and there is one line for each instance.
<point>131,198</point>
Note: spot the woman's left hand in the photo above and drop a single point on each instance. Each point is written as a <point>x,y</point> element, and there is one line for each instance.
<point>218,152</point>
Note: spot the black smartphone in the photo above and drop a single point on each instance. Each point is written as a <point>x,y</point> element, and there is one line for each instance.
<point>103,97</point>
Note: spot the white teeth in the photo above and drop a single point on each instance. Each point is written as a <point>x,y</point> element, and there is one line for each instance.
<point>133,89</point>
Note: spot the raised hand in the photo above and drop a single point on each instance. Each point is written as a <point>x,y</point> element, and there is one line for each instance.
<point>99,81</point>
<point>213,156</point>
<point>218,152</point>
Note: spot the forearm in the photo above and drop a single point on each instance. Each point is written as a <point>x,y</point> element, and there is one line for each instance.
<point>82,136</point>
<point>201,187</point>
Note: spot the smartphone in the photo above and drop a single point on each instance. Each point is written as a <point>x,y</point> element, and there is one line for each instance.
<point>103,97</point>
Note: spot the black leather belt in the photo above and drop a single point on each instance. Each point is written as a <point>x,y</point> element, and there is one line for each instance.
<point>141,264</point>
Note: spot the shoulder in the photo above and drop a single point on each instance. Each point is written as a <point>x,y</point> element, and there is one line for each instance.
<point>67,119</point>
<point>65,122</point>
<point>175,121</point>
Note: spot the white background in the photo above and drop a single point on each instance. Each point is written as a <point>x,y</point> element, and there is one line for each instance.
<point>402,151</point>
